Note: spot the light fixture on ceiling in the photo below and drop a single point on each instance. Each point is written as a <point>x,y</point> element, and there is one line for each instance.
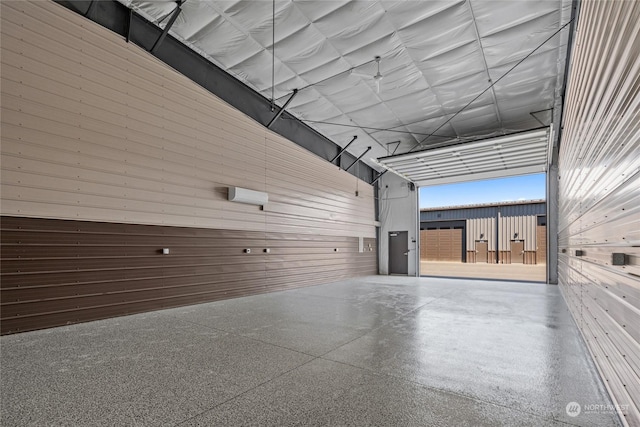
<point>377,77</point>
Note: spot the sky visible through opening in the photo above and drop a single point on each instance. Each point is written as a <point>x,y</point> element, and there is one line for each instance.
<point>526,187</point>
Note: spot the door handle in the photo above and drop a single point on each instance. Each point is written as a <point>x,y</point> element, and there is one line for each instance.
<point>406,254</point>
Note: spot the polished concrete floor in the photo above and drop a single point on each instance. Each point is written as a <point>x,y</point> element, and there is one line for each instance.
<point>385,351</point>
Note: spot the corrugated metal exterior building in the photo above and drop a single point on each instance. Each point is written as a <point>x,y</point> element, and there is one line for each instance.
<point>510,232</point>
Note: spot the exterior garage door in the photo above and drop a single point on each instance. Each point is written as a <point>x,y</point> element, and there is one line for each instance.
<point>443,244</point>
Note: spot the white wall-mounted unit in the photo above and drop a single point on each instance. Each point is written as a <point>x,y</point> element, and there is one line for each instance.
<point>252,197</point>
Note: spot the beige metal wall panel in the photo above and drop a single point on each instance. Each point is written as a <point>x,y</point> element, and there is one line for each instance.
<point>516,218</point>
<point>524,226</point>
<point>472,258</point>
<point>485,226</point>
<point>521,219</point>
<point>96,129</point>
<point>530,257</point>
<point>599,195</point>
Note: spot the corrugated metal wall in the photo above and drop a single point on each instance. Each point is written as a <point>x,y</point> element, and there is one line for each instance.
<point>99,137</point>
<point>94,128</point>
<point>55,272</point>
<point>517,218</point>
<point>599,194</point>
<point>483,226</point>
<point>520,219</point>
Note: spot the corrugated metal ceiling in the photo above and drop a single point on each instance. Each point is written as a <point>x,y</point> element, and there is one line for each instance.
<point>436,57</point>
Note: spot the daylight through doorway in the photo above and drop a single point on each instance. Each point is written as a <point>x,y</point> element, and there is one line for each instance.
<point>492,229</point>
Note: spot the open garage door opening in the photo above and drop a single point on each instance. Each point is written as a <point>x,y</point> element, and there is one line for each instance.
<point>493,229</point>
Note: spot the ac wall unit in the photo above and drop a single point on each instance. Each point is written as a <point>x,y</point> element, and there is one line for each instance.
<point>243,195</point>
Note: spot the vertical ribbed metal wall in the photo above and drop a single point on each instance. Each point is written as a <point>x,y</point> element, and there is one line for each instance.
<point>599,195</point>
<point>484,226</point>
<point>520,218</point>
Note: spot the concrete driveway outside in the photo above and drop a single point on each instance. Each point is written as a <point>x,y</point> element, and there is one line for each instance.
<point>526,272</point>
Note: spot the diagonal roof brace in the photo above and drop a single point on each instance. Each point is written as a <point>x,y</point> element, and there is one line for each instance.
<point>279,113</point>
<point>167,27</point>
<point>379,176</point>
<point>359,157</point>
<point>344,149</point>
<point>90,8</point>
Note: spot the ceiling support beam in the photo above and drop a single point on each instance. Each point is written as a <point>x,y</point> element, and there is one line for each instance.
<point>337,156</point>
<point>129,25</point>
<point>284,107</point>
<point>167,27</point>
<point>359,157</point>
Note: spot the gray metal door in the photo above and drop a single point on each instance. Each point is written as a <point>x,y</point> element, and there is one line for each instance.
<point>398,252</point>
